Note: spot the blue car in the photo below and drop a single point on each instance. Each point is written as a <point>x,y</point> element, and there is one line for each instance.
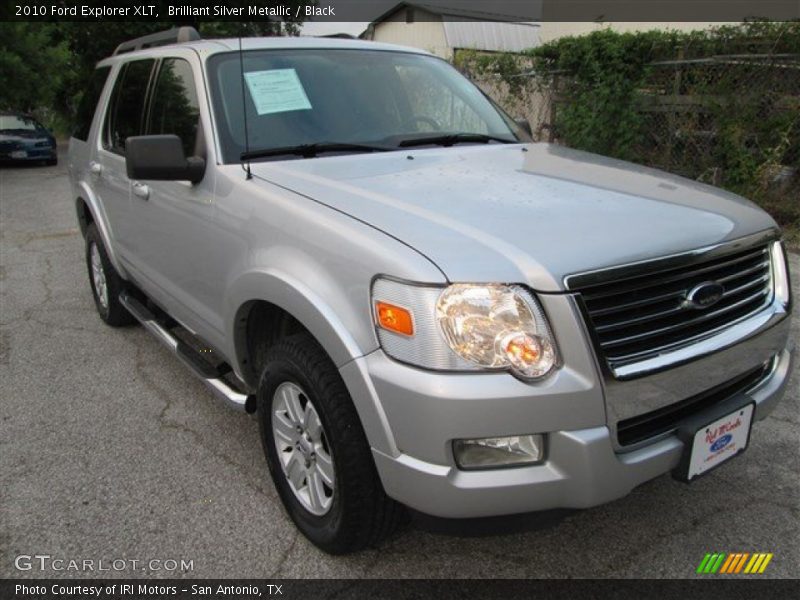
<point>24,139</point>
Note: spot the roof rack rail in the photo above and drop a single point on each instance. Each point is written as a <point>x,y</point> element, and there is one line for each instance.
<point>176,35</point>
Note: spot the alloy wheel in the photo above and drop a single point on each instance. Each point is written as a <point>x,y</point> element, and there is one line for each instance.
<point>303,448</point>
<point>99,277</point>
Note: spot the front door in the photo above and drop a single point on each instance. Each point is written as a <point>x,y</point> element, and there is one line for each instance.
<point>174,253</point>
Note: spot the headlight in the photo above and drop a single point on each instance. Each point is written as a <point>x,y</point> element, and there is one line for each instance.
<point>464,327</point>
<point>780,274</point>
<point>497,327</point>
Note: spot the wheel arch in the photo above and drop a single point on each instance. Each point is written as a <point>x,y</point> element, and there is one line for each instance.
<point>280,300</point>
<point>85,216</point>
<point>277,301</point>
<point>89,210</point>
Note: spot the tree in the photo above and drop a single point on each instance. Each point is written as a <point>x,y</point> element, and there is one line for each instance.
<point>32,66</point>
<point>45,66</point>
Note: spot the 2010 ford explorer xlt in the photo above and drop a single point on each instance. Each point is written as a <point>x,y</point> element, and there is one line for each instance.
<point>424,308</point>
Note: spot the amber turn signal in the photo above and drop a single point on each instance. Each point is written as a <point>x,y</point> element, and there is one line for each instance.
<point>393,318</point>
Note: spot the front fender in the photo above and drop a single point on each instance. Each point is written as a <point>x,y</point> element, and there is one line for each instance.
<point>327,325</point>
<point>311,308</point>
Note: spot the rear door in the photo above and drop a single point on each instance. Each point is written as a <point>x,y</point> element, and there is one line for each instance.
<point>124,118</point>
<point>79,147</point>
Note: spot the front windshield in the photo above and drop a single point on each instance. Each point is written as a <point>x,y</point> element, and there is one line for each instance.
<point>309,96</point>
<point>16,123</point>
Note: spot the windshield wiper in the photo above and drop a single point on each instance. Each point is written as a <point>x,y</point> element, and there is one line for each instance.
<point>312,150</point>
<point>450,139</point>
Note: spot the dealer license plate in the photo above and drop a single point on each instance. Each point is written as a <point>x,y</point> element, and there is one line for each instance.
<point>719,441</point>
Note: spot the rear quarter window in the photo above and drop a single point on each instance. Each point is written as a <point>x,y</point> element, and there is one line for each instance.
<point>88,103</point>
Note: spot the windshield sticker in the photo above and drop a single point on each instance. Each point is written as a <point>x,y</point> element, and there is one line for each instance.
<point>276,91</point>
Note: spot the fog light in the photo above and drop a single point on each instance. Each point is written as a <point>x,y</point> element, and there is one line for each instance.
<point>489,453</point>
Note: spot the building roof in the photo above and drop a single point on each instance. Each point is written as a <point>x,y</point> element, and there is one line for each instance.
<point>476,30</point>
<point>532,11</point>
<point>491,36</point>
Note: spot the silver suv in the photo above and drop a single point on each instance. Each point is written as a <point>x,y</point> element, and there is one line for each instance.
<point>423,308</point>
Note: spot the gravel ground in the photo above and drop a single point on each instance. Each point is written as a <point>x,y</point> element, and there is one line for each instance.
<point>110,449</point>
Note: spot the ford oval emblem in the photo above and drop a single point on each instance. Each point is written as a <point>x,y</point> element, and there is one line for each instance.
<point>704,295</point>
<point>721,443</point>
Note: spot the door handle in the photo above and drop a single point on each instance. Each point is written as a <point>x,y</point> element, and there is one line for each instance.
<point>95,168</point>
<point>141,190</point>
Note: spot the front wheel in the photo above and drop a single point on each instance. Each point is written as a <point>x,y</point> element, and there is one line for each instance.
<point>317,452</point>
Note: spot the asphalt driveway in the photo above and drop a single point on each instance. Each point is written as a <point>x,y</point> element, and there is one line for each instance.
<point>110,449</point>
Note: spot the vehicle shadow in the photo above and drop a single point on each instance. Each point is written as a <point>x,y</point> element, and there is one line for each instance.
<point>490,526</point>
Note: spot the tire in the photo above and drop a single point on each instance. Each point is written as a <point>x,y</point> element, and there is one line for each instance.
<point>107,301</point>
<point>51,162</point>
<point>359,513</point>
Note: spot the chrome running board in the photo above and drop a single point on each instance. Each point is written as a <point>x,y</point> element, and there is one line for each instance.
<point>206,373</point>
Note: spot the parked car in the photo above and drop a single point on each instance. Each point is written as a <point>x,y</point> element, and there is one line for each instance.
<point>24,139</point>
<point>424,308</point>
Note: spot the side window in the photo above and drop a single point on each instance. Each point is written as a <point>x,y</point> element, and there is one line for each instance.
<point>88,103</point>
<point>174,108</point>
<point>127,104</point>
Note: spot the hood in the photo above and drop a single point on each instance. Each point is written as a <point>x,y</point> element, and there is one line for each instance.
<point>521,213</point>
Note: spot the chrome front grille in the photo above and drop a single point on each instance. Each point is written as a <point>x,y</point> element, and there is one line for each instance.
<point>640,316</point>
<point>668,418</point>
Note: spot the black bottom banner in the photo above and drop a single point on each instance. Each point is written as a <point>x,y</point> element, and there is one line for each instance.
<point>108,589</point>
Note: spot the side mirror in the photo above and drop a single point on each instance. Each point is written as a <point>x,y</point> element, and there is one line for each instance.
<point>524,125</point>
<point>161,158</point>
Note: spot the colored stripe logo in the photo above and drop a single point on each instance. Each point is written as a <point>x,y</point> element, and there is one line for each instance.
<point>734,563</point>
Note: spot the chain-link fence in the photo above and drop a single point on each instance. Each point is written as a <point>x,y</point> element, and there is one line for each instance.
<point>687,109</point>
<point>527,94</point>
<point>715,118</point>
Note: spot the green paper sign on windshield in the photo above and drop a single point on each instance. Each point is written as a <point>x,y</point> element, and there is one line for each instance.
<point>277,91</point>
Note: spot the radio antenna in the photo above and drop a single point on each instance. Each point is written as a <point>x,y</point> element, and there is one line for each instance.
<point>245,164</point>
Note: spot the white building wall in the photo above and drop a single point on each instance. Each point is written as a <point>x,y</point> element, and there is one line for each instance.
<point>423,34</point>
<point>441,38</point>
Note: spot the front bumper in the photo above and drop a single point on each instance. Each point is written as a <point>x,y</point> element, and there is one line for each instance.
<point>422,412</point>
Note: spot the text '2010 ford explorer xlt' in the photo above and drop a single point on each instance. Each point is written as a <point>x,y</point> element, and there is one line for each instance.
<point>423,308</point>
